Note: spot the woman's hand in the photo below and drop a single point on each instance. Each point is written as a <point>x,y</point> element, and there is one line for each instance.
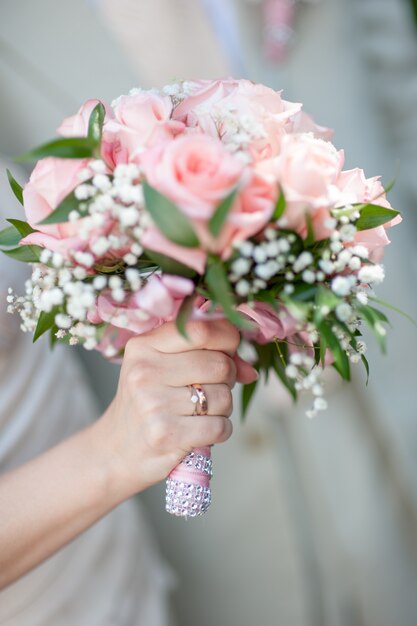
<point>149,426</point>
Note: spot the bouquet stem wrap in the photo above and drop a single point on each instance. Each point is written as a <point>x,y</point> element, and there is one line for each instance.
<point>188,492</point>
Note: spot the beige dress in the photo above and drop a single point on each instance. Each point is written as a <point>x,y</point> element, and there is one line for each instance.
<point>112,574</point>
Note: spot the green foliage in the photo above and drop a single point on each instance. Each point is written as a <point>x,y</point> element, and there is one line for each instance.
<point>9,236</point>
<point>15,187</point>
<point>222,211</point>
<point>64,208</point>
<point>170,266</point>
<point>95,123</point>
<point>219,287</point>
<point>247,394</point>
<point>26,254</point>
<point>329,340</point>
<point>169,219</point>
<point>375,320</point>
<point>64,148</point>
<point>23,228</point>
<point>372,215</point>
<point>45,322</point>
<point>184,314</point>
<point>279,207</point>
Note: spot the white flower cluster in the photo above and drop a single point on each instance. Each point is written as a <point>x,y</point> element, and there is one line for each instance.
<point>117,200</point>
<point>259,262</point>
<point>307,376</point>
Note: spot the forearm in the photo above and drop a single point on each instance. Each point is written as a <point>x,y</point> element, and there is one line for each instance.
<point>50,500</point>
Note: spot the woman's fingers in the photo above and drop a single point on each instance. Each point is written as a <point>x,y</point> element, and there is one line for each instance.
<point>209,335</point>
<point>197,366</point>
<point>219,400</point>
<point>197,431</point>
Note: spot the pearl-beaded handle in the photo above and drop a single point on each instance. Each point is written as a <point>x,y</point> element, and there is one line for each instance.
<point>188,492</point>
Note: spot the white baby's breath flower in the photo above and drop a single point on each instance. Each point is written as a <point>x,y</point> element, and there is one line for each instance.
<point>118,294</point>
<point>341,286</point>
<point>115,282</point>
<point>130,259</point>
<point>362,297</point>
<point>360,251</point>
<point>63,321</point>
<point>242,288</point>
<point>98,166</point>
<point>308,276</point>
<point>102,182</point>
<point>241,266</point>
<point>99,282</point>
<point>371,274</point>
<point>303,260</point>
<point>45,256</point>
<point>355,263</point>
<point>259,254</point>
<point>343,311</point>
<point>100,246</point>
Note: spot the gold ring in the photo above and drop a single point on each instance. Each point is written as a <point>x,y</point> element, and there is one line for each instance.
<point>202,408</point>
<point>194,398</point>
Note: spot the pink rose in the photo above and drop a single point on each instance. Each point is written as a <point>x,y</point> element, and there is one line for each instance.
<point>140,120</point>
<point>307,170</point>
<point>269,325</point>
<point>251,212</point>
<point>260,113</point>
<point>155,303</point>
<point>114,339</point>
<point>51,180</point>
<point>195,171</point>
<point>304,123</point>
<point>356,188</point>
<point>77,125</point>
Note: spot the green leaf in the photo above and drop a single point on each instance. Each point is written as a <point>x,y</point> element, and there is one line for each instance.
<point>247,394</point>
<point>311,238</point>
<point>23,228</point>
<point>184,314</point>
<point>95,123</point>
<point>393,308</point>
<point>326,301</point>
<point>64,148</point>
<point>53,339</point>
<point>170,266</point>
<point>374,320</point>
<point>169,219</point>
<point>64,208</point>
<point>279,207</point>
<point>372,215</point>
<point>45,322</point>
<point>341,360</point>
<point>303,292</point>
<point>13,234</point>
<point>15,187</point>
<point>27,254</point>
<point>221,293</point>
<point>366,366</point>
<point>9,236</point>
<point>222,211</point>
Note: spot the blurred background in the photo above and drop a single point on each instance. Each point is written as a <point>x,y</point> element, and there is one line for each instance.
<point>314,522</point>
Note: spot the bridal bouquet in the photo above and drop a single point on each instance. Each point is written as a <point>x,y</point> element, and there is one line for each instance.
<point>203,198</point>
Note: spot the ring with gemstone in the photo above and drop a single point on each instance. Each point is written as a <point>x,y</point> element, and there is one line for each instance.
<point>202,408</point>
<point>194,398</point>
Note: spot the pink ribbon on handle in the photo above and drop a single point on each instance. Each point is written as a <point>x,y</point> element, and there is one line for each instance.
<point>188,492</point>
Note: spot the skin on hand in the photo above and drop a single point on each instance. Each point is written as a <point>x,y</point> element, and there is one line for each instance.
<point>148,428</point>
<point>143,435</point>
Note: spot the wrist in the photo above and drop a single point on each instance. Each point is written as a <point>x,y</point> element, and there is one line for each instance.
<point>116,481</point>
